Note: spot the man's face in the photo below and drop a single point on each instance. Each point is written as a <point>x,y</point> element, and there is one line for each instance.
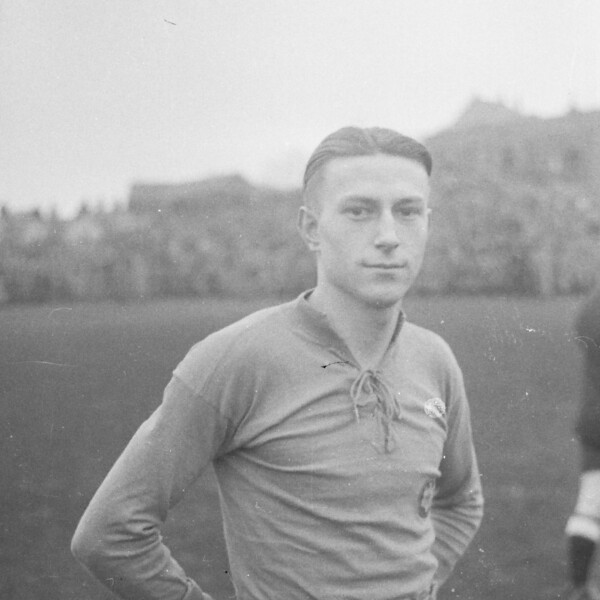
<point>370,230</point>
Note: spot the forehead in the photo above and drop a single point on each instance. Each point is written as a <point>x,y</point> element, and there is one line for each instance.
<point>377,175</point>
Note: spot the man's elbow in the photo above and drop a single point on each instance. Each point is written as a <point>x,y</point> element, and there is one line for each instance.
<point>88,548</point>
<point>81,547</point>
<point>479,501</point>
<point>475,505</point>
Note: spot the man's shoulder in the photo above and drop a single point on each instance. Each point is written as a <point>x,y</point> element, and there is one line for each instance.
<point>426,340</point>
<point>252,326</point>
<point>236,344</point>
<point>431,349</point>
<point>432,353</point>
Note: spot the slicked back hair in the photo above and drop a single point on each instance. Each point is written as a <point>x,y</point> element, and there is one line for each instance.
<point>354,141</point>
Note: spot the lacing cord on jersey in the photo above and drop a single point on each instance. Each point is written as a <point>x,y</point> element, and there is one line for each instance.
<point>370,385</point>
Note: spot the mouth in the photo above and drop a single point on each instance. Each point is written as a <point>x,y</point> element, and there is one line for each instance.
<point>385,266</point>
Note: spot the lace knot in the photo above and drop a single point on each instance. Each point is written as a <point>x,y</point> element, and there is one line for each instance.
<point>370,387</point>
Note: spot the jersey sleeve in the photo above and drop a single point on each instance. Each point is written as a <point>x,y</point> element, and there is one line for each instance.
<point>458,503</point>
<point>118,538</point>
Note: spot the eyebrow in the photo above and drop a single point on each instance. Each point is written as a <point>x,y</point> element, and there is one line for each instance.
<point>358,199</point>
<point>372,201</point>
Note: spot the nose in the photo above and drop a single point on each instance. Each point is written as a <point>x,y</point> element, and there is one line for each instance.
<point>387,233</point>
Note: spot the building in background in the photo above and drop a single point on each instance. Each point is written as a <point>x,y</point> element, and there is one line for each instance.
<point>516,211</point>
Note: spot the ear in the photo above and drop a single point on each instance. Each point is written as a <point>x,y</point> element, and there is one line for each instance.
<point>308,227</point>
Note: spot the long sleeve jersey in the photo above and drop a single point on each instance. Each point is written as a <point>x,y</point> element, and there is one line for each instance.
<point>336,482</point>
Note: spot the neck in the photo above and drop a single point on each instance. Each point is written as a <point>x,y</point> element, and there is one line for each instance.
<point>367,330</point>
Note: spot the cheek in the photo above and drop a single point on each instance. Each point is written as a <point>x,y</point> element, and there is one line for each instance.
<point>420,237</point>
<point>338,240</point>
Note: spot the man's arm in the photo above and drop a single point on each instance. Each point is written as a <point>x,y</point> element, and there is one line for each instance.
<point>118,538</point>
<point>458,504</point>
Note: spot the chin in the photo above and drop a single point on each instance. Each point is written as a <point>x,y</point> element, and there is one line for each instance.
<point>386,292</point>
<point>384,299</point>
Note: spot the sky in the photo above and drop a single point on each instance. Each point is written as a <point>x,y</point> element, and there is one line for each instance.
<point>95,96</point>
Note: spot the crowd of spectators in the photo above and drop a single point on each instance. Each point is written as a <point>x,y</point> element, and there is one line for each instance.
<point>486,237</point>
<point>516,204</point>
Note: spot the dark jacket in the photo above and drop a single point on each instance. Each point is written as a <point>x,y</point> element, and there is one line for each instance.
<point>587,325</point>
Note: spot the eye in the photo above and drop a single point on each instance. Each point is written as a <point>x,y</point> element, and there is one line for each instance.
<point>411,211</point>
<point>358,212</point>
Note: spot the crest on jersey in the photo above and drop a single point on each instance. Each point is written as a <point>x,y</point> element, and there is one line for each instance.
<point>435,407</point>
<point>426,498</point>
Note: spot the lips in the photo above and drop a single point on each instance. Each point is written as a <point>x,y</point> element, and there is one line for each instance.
<point>390,266</point>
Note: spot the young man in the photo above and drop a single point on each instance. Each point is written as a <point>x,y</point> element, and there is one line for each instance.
<point>339,431</point>
<point>583,527</point>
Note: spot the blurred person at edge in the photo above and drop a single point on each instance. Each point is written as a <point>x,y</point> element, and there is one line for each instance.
<point>339,431</point>
<point>583,526</point>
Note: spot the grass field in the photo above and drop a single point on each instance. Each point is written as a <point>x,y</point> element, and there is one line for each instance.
<point>76,381</point>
